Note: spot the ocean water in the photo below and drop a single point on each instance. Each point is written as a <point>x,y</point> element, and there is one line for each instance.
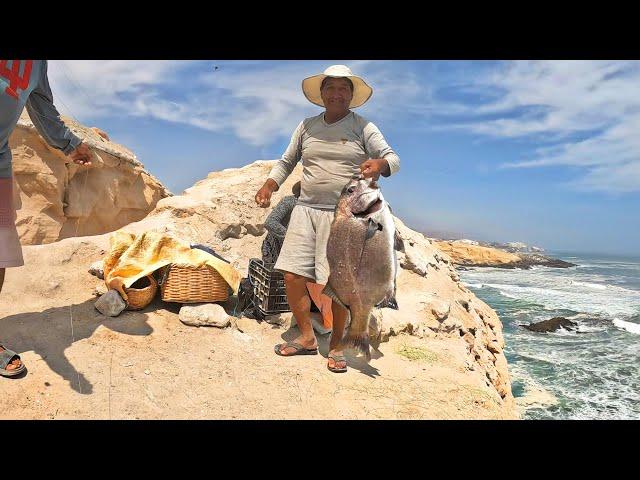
<point>592,372</point>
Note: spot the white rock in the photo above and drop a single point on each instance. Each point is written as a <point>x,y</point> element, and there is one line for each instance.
<point>256,230</point>
<point>96,269</point>
<point>233,230</point>
<point>244,324</point>
<point>395,322</point>
<point>281,319</point>
<point>414,261</point>
<point>439,258</point>
<point>100,290</point>
<point>440,309</point>
<point>242,336</point>
<point>470,339</point>
<point>204,314</point>
<point>450,324</point>
<point>110,304</point>
<point>494,347</point>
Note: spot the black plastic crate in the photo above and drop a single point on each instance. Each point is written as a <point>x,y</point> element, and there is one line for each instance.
<point>268,287</point>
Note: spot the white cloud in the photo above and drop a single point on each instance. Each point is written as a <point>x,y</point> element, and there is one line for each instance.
<point>557,101</point>
<point>93,88</point>
<point>621,177</point>
<point>586,114</point>
<point>257,101</point>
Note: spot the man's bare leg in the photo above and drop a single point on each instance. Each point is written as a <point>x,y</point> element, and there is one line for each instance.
<point>300,304</point>
<point>339,321</point>
<point>15,363</point>
<point>322,302</point>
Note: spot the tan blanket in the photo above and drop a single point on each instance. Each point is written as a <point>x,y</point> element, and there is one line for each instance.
<point>132,257</point>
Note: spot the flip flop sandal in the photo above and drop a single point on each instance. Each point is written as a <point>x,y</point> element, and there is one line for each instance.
<point>336,359</point>
<point>6,357</point>
<point>299,349</point>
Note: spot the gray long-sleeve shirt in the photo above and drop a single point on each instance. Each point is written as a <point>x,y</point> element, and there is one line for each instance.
<point>25,83</point>
<point>331,155</point>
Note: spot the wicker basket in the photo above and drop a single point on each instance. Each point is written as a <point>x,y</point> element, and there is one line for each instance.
<point>187,284</point>
<point>141,293</point>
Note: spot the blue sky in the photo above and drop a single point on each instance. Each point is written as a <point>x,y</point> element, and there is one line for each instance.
<point>544,152</point>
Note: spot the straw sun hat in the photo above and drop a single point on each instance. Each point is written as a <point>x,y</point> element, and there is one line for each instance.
<point>361,91</point>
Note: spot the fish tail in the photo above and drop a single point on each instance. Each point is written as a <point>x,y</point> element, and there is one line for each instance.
<point>359,342</point>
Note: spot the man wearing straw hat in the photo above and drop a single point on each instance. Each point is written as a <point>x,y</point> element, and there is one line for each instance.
<point>25,82</point>
<point>334,147</point>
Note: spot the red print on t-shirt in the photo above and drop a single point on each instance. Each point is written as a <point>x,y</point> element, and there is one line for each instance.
<point>13,76</point>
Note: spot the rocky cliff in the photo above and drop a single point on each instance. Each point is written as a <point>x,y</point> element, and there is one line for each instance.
<point>439,356</point>
<point>58,199</point>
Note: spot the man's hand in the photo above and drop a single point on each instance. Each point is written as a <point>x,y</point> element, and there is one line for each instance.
<point>373,167</point>
<point>263,197</point>
<point>81,155</point>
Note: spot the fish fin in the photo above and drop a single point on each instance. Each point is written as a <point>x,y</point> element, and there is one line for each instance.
<point>389,302</point>
<point>359,342</point>
<point>398,243</point>
<point>328,291</point>
<point>393,300</point>
<point>393,303</point>
<point>372,227</point>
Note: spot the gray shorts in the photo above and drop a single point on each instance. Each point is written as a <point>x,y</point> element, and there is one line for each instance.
<point>304,251</point>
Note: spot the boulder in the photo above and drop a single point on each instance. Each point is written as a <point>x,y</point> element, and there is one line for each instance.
<point>96,269</point>
<point>204,315</point>
<point>551,325</point>
<point>110,304</point>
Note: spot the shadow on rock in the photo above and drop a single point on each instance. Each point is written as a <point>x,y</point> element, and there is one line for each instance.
<point>51,332</point>
<point>358,363</point>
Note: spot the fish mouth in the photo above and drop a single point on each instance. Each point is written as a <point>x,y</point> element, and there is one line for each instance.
<point>374,207</point>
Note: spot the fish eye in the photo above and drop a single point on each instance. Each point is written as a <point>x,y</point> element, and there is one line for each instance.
<point>351,189</point>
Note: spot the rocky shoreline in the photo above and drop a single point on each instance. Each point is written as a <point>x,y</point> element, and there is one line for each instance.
<point>529,260</point>
<point>465,253</point>
<point>526,262</point>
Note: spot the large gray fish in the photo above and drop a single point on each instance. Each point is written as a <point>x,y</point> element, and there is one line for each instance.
<point>361,256</point>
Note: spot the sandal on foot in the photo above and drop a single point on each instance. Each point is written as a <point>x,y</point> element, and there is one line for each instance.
<point>299,349</point>
<point>337,359</point>
<point>6,357</point>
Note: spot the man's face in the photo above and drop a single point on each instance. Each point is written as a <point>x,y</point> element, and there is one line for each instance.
<point>336,94</point>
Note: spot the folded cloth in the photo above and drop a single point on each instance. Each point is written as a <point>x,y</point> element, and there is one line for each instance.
<point>132,257</point>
